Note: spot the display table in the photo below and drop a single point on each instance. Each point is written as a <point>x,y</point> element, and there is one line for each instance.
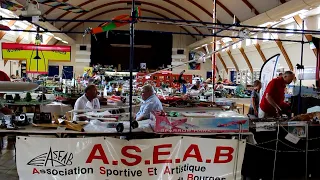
<point>291,158</point>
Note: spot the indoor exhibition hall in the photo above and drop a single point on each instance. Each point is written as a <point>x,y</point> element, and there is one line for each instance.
<point>160,90</point>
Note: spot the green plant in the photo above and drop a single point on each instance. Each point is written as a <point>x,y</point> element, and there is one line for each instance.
<point>28,97</point>
<point>17,97</point>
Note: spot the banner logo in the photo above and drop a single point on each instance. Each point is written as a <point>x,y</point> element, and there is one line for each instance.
<point>52,159</point>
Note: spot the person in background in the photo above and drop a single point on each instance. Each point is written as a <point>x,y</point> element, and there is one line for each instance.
<point>112,88</point>
<point>86,74</point>
<point>87,101</point>
<point>209,80</point>
<point>218,86</point>
<point>150,103</point>
<point>196,86</point>
<point>272,102</point>
<point>4,110</point>
<point>280,75</point>
<point>255,98</point>
<point>119,91</point>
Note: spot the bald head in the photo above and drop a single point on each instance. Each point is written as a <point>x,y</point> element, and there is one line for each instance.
<point>288,77</point>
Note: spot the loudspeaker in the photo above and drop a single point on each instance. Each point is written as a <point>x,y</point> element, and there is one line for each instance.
<point>83,48</point>
<point>180,51</point>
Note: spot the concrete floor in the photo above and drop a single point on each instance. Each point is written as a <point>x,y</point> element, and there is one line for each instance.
<point>8,169</point>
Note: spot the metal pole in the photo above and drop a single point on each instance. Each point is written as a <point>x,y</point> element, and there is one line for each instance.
<point>307,147</point>
<point>133,20</point>
<point>301,63</point>
<point>275,153</point>
<point>213,57</point>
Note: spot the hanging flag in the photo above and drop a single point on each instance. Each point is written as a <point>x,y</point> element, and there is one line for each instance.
<point>268,72</point>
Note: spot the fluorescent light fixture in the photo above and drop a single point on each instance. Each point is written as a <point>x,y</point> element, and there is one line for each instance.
<point>266,36</point>
<point>239,44</point>
<point>291,26</point>
<point>49,34</point>
<point>57,38</point>
<point>248,42</point>
<point>234,46</point>
<point>226,39</point>
<point>65,42</point>
<point>295,13</point>
<point>255,41</point>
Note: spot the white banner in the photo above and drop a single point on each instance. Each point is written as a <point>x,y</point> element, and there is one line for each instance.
<point>174,158</point>
<point>268,72</point>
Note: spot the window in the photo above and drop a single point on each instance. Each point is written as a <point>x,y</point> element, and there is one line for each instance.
<point>318,22</point>
<point>274,36</point>
<point>290,26</point>
<point>266,36</point>
<point>234,46</point>
<point>248,42</point>
<point>255,41</point>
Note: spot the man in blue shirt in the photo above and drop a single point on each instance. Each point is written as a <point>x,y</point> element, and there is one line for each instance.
<point>151,103</point>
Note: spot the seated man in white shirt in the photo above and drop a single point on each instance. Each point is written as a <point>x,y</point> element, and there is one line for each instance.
<point>87,101</point>
<point>151,103</point>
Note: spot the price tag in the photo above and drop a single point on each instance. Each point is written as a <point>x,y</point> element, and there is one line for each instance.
<point>292,138</point>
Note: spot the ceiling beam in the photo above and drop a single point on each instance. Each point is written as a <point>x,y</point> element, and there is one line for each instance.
<point>285,54</point>
<point>299,22</point>
<point>23,34</point>
<point>202,8</point>
<point>283,1</point>
<point>119,9</point>
<point>125,2</point>
<point>227,10</point>
<point>48,40</point>
<point>184,9</point>
<point>231,57</point>
<point>217,70</point>
<point>80,5</point>
<point>52,8</point>
<point>244,56</point>
<point>250,6</point>
<point>10,24</point>
<point>222,62</point>
<point>258,47</point>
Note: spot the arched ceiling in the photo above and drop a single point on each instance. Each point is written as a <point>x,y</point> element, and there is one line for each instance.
<point>194,10</point>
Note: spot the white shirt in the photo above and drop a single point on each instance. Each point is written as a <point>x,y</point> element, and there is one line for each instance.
<point>82,104</point>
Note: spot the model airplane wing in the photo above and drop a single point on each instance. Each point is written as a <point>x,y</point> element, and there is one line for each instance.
<point>63,5</point>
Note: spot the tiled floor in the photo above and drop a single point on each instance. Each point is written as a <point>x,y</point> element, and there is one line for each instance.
<point>8,170</point>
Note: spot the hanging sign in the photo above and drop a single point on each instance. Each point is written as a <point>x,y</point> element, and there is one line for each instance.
<point>27,52</point>
<point>149,159</point>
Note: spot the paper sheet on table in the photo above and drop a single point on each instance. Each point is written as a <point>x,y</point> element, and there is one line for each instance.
<point>98,114</point>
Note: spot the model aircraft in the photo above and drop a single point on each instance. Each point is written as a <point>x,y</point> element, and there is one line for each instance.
<point>119,21</point>
<point>13,5</point>
<point>17,87</point>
